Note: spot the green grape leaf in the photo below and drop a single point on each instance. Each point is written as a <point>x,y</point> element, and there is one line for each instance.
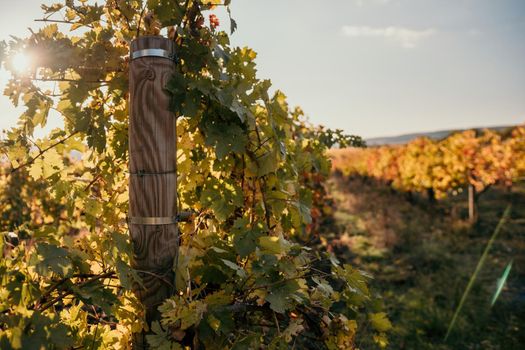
<point>245,242</point>
<point>221,197</point>
<point>239,270</point>
<point>53,259</point>
<point>280,296</point>
<point>275,245</point>
<point>225,137</point>
<point>168,12</point>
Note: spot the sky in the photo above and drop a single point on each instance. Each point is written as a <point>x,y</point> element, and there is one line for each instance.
<point>372,67</point>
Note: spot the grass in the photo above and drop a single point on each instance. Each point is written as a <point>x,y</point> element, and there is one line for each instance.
<point>423,256</point>
<point>472,279</point>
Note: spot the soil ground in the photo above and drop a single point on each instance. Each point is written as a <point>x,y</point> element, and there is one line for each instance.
<point>422,255</point>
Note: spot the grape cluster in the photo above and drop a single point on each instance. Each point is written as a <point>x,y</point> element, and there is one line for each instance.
<point>214,21</point>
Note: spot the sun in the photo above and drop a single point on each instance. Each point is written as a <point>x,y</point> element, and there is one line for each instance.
<point>21,62</point>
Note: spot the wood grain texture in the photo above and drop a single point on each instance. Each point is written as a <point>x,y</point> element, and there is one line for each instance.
<point>152,149</point>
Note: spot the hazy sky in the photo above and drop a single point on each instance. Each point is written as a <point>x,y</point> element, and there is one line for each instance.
<point>374,67</point>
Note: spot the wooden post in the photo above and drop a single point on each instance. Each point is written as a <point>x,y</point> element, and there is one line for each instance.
<point>472,203</point>
<point>153,174</point>
<point>431,194</point>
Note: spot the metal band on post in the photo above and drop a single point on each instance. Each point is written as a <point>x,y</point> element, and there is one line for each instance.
<point>152,53</point>
<point>137,220</point>
<point>183,216</point>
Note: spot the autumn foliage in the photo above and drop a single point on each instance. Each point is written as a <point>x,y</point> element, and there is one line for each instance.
<point>250,167</point>
<point>440,168</point>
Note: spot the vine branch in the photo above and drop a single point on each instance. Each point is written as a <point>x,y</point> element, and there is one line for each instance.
<point>42,152</point>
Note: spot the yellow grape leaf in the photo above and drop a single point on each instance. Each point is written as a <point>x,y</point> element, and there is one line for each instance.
<point>293,329</point>
<point>380,322</point>
<point>211,2</point>
<point>51,163</point>
<point>35,170</point>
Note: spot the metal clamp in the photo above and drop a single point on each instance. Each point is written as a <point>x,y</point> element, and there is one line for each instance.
<point>153,220</point>
<point>153,53</point>
<point>183,216</point>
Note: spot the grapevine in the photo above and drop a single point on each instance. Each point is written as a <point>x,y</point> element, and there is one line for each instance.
<point>249,166</point>
<point>441,168</point>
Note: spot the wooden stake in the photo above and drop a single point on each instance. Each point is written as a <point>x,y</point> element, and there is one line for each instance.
<point>472,203</point>
<point>153,174</point>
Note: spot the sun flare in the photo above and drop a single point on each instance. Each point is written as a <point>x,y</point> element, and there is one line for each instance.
<point>21,62</point>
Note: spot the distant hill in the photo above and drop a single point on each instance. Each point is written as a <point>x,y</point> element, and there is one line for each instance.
<point>436,135</point>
